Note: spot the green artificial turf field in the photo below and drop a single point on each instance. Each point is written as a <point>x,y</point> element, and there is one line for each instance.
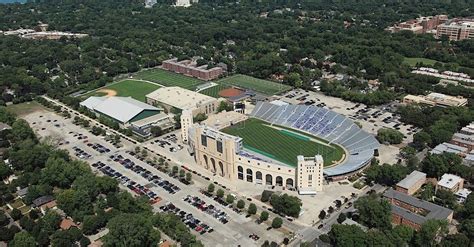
<point>168,78</point>
<point>258,85</point>
<point>282,144</point>
<point>133,88</point>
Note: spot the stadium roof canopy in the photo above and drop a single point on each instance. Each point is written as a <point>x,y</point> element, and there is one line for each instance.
<point>123,109</point>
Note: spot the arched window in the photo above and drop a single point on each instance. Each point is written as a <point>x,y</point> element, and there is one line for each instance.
<point>221,167</point>
<point>258,176</point>
<point>213,163</point>
<point>268,179</point>
<point>249,175</point>
<point>289,183</point>
<point>279,181</point>
<point>206,161</point>
<point>240,172</point>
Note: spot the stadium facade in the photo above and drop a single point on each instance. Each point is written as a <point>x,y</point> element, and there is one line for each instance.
<point>226,156</point>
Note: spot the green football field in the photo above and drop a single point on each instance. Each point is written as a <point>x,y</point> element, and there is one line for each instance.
<point>168,78</point>
<point>258,85</point>
<point>282,144</point>
<point>133,88</point>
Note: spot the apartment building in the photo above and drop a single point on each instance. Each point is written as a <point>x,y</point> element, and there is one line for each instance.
<point>190,68</point>
<point>413,212</point>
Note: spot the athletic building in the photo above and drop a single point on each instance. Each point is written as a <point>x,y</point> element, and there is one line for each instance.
<point>129,113</point>
<point>183,99</point>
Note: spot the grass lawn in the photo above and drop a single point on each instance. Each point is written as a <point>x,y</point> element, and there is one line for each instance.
<point>258,85</point>
<point>282,145</point>
<point>168,78</point>
<point>412,61</point>
<point>214,91</point>
<point>17,203</point>
<point>133,88</point>
<point>25,108</point>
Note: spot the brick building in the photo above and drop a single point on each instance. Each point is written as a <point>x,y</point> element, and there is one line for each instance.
<point>411,183</point>
<point>190,68</point>
<point>456,29</point>
<point>413,212</point>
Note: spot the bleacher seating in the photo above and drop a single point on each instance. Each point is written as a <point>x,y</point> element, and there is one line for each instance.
<point>328,125</point>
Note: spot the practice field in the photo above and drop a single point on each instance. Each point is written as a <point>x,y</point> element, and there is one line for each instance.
<point>412,61</point>
<point>169,79</point>
<point>258,85</point>
<point>281,143</point>
<point>133,88</point>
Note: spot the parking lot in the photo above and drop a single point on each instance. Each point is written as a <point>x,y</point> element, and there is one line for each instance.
<point>142,178</point>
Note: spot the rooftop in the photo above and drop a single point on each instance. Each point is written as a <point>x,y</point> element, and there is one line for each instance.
<point>179,97</point>
<point>463,193</point>
<point>122,109</point>
<point>42,200</point>
<point>433,211</point>
<point>4,126</point>
<point>411,179</point>
<point>449,180</point>
<point>224,119</point>
<point>448,147</point>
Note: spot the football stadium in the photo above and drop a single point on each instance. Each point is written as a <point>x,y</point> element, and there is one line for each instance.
<point>294,146</point>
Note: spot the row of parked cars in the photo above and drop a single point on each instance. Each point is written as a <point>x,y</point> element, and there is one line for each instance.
<point>210,209</point>
<point>98,147</point>
<point>81,154</point>
<point>124,180</point>
<point>146,174</point>
<point>187,218</point>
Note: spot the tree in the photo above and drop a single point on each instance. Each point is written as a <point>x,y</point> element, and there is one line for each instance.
<point>373,211</point>
<point>446,198</point>
<point>347,235</point>
<point>182,173</point>
<point>23,239</point>
<point>220,193</point>
<point>199,117</point>
<point>266,194</point>
<point>6,234</point>
<point>131,230</point>
<point>230,199</point>
<point>455,240</point>
<point>144,153</point>
<point>322,214</point>
<point>385,135</point>
<point>289,205</point>
<point>277,222</point>
<point>5,171</point>
<point>27,223</point>
<point>224,106</point>
<point>210,188</point>
<point>189,177</point>
<point>426,236</point>
<point>175,170</point>
<point>241,204</point>
<point>428,192</point>
<point>252,209</point>
<point>467,227</point>
<point>4,220</point>
<point>341,218</point>
<point>156,131</point>
<point>421,139</point>
<point>15,214</point>
<point>263,216</point>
